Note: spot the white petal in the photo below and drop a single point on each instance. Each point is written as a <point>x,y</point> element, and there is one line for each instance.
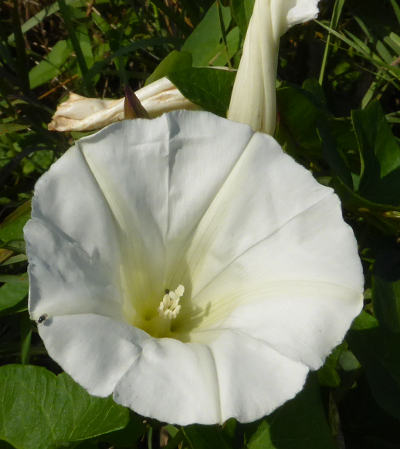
<point>172,381</point>
<point>286,13</point>
<point>302,11</point>
<point>253,378</point>
<point>64,279</point>
<point>302,321</point>
<point>234,376</point>
<point>95,350</point>
<point>291,262</point>
<point>167,162</point>
<point>269,190</point>
<point>118,200</point>
<point>72,242</point>
<point>69,198</point>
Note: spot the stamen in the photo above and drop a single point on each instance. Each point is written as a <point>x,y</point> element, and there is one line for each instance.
<point>169,306</point>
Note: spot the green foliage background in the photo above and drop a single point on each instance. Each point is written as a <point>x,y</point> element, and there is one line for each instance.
<point>338,106</point>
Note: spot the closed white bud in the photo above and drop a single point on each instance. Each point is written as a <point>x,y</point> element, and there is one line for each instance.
<point>253,98</point>
<point>86,114</point>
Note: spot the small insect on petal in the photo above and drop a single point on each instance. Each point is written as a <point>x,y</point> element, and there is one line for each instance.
<point>42,318</point>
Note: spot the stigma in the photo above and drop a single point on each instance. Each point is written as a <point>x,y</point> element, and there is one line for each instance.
<point>169,306</point>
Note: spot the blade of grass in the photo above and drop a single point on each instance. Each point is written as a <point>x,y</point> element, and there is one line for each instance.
<point>6,58</point>
<point>393,41</point>
<point>393,117</point>
<point>76,45</point>
<point>396,9</point>
<point>346,40</point>
<point>138,45</point>
<point>384,53</point>
<point>362,47</point>
<point>177,19</point>
<point>364,28</point>
<point>22,62</point>
<point>336,13</point>
<point>223,32</point>
<point>35,20</point>
<point>47,12</point>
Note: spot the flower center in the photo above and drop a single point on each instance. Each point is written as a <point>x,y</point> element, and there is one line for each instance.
<point>169,306</point>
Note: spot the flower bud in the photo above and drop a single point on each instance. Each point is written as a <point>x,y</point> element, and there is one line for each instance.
<point>253,98</point>
<point>85,114</point>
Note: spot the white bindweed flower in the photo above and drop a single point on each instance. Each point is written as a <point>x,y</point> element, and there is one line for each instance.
<point>189,267</point>
<point>253,98</point>
<point>85,114</point>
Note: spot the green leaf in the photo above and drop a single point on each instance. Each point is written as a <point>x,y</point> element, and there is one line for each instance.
<point>380,156</point>
<point>14,290</point>
<point>7,128</point>
<point>83,37</point>
<point>50,67</point>
<point>332,133</point>
<point>100,22</point>
<point>312,86</point>
<point>17,279</point>
<point>12,227</point>
<point>378,352</point>
<point>386,289</point>
<point>261,439</point>
<point>226,53</point>
<point>382,216</point>
<point>328,375</point>
<point>40,410</point>
<point>299,114</point>
<point>205,42</point>
<point>125,437</point>
<point>174,62</point>
<point>205,437</point>
<point>241,12</point>
<point>299,424</point>
<point>209,88</point>
<point>12,260</point>
<point>348,361</point>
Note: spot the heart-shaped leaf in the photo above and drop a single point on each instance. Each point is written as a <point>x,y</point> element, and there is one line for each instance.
<point>40,410</point>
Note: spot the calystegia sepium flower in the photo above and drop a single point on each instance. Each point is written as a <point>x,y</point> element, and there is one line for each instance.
<point>189,267</point>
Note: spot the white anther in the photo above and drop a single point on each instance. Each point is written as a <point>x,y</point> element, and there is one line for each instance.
<point>169,306</point>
